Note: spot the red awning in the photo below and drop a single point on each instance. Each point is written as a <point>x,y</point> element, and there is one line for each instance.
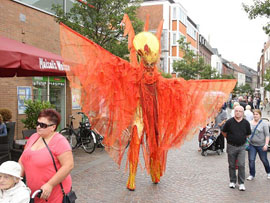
<point>23,60</point>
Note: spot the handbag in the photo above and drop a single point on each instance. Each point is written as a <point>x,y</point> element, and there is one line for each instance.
<point>247,145</point>
<point>69,197</point>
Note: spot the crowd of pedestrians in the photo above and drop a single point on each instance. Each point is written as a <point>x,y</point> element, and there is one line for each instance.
<point>244,122</point>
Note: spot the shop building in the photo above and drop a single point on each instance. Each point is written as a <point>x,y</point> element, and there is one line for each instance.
<point>176,24</point>
<point>31,22</point>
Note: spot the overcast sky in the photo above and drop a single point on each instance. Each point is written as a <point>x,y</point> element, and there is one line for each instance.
<point>229,29</point>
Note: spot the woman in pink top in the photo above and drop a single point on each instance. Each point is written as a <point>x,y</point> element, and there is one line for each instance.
<point>37,162</point>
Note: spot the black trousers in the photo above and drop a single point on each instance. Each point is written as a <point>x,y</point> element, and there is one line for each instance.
<point>220,141</point>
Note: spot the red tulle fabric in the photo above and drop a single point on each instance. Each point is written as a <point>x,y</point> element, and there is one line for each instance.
<point>113,90</point>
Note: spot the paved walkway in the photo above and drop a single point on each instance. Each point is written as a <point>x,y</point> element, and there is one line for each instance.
<point>189,177</point>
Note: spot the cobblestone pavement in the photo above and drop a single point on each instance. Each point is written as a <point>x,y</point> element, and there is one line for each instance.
<point>189,177</point>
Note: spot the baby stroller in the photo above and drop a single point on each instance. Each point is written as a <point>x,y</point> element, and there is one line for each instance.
<point>211,142</point>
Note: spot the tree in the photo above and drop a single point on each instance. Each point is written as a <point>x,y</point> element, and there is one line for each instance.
<point>245,89</point>
<point>227,76</point>
<point>192,66</point>
<point>259,9</point>
<point>101,22</point>
<point>165,75</point>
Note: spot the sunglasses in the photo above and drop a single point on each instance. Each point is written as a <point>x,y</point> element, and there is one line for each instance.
<point>44,125</point>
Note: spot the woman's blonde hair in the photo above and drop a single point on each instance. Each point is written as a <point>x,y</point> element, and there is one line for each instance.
<point>1,119</point>
<point>257,111</point>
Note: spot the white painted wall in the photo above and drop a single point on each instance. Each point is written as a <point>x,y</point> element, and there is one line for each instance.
<point>241,79</point>
<point>216,63</point>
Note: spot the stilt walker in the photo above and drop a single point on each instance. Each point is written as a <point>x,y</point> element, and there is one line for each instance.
<point>131,101</point>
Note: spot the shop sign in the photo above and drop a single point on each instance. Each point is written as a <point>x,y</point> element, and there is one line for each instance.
<point>52,65</point>
<point>55,81</point>
<point>40,81</point>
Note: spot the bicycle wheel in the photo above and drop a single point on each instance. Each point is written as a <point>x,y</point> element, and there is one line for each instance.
<point>71,137</point>
<point>89,142</point>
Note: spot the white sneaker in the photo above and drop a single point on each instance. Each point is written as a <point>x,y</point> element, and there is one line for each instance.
<point>251,177</point>
<point>242,187</point>
<point>268,176</point>
<point>232,185</point>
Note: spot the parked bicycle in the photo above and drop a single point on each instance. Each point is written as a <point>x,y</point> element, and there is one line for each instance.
<point>83,137</point>
<point>99,138</point>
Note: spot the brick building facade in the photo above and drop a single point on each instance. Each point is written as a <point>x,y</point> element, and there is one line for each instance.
<point>37,28</point>
<point>176,24</point>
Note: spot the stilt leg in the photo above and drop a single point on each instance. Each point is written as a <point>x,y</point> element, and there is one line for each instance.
<point>155,170</point>
<point>133,156</point>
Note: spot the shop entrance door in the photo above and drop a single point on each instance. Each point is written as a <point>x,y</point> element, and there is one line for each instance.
<point>57,97</point>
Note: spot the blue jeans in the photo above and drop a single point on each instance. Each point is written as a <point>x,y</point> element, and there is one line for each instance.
<point>252,152</point>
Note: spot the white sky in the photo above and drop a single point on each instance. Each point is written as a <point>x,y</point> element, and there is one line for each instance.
<point>236,37</point>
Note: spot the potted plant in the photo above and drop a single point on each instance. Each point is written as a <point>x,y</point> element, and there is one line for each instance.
<point>33,108</point>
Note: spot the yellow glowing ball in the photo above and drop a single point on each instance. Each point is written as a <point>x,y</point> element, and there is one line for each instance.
<point>147,46</point>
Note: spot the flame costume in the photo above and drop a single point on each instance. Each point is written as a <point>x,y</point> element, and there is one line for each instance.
<point>131,101</point>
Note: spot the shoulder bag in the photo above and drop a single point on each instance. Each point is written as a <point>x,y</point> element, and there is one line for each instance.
<point>69,197</point>
<point>249,139</point>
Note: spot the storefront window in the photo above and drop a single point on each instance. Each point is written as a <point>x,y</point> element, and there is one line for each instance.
<point>40,85</point>
<point>51,89</point>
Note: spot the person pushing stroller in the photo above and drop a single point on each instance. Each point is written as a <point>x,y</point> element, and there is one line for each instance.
<point>219,123</point>
<point>212,138</point>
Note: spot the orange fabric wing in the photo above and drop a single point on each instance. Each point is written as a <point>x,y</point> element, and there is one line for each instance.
<point>109,88</point>
<point>185,106</point>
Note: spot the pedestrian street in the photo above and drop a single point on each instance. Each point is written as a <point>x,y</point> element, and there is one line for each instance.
<point>189,177</point>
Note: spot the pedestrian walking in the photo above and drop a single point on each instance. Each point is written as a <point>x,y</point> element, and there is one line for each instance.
<point>234,105</point>
<point>266,106</point>
<point>47,159</point>
<point>236,130</point>
<point>258,102</point>
<point>258,144</point>
<point>255,102</point>
<point>248,114</point>
<point>250,102</point>
<point>219,123</point>
<point>242,102</point>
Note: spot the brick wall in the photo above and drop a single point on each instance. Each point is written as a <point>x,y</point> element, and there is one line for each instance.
<point>40,30</point>
<point>154,18</point>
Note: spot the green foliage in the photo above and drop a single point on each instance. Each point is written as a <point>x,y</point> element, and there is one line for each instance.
<point>6,114</point>
<point>243,89</point>
<point>227,77</point>
<point>33,108</point>
<point>101,23</point>
<point>259,9</point>
<point>165,75</point>
<point>192,66</point>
